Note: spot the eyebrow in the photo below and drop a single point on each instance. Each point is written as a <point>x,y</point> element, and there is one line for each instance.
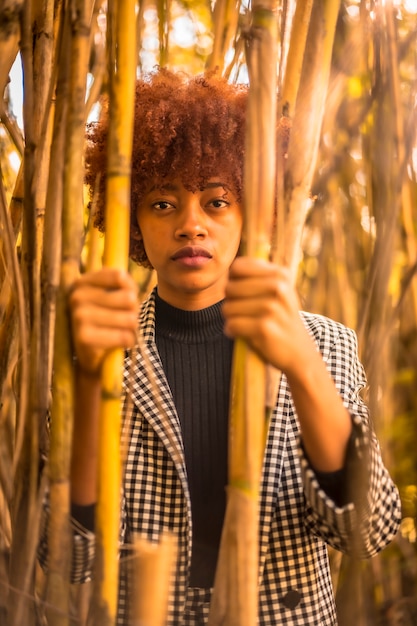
<point>165,187</point>
<point>173,187</point>
<point>216,184</point>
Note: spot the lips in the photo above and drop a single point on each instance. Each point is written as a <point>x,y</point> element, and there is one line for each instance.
<point>191,252</point>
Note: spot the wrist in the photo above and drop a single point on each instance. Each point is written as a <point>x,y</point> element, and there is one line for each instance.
<point>89,373</point>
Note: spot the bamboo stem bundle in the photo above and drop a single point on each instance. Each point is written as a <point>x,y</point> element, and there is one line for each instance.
<point>24,504</point>
<point>235,597</point>
<point>122,38</point>
<point>72,85</point>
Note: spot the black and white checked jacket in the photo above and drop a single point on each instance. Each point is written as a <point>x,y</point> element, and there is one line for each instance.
<point>297,519</point>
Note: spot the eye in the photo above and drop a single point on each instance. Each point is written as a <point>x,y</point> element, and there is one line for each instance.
<point>162,205</point>
<point>218,203</point>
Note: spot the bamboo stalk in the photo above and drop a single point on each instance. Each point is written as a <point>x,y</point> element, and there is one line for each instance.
<point>27,464</point>
<point>79,21</point>
<point>405,200</point>
<point>296,51</point>
<point>9,42</point>
<point>154,567</point>
<point>99,68</point>
<point>307,122</point>
<point>94,240</point>
<point>235,597</point>
<point>52,231</point>
<point>18,297</point>
<point>225,20</point>
<point>6,293</point>
<point>163,9</point>
<point>122,38</point>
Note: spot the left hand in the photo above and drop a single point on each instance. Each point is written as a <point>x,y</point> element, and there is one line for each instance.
<point>262,307</point>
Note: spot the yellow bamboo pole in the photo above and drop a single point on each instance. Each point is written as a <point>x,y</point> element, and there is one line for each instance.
<point>6,291</point>
<point>405,200</point>
<point>164,18</point>
<point>72,82</point>
<point>10,253</point>
<point>60,267</point>
<point>235,597</point>
<point>225,20</point>
<point>296,51</point>
<point>52,229</point>
<point>24,502</point>
<point>122,38</point>
<point>9,43</point>
<point>154,567</point>
<point>307,121</point>
<point>9,48</point>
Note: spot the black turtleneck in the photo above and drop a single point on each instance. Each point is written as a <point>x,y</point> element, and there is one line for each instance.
<point>197,357</point>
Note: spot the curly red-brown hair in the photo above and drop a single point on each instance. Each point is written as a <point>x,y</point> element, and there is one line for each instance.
<point>186,128</point>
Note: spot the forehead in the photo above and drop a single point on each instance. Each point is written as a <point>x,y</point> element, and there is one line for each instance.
<point>178,185</point>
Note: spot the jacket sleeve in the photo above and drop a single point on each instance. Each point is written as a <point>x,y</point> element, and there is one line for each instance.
<point>371,515</point>
<point>83,545</point>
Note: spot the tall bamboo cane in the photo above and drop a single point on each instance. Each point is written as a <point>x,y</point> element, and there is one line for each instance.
<point>122,38</point>
<point>225,20</point>
<point>235,598</point>
<point>72,85</point>
<point>27,466</point>
<point>296,51</point>
<point>154,567</point>
<point>9,47</point>
<point>307,121</point>
<point>164,18</point>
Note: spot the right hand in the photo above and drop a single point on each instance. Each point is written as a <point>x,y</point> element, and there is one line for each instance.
<point>104,315</point>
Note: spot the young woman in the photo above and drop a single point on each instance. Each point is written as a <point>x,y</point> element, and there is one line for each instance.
<point>186,222</point>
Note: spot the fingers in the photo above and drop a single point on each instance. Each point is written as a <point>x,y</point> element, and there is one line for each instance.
<point>262,307</point>
<point>103,309</point>
<point>254,277</point>
<point>106,280</point>
<point>256,288</point>
<point>249,267</point>
<point>94,326</point>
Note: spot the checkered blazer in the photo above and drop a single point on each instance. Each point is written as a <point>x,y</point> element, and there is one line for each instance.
<point>297,519</point>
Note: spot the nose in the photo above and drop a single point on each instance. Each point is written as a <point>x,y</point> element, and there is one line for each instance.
<point>192,220</point>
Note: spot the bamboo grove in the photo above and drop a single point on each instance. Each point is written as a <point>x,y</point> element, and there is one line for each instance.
<point>346,78</point>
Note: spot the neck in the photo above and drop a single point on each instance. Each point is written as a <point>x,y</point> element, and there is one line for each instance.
<point>190,301</point>
<point>188,326</point>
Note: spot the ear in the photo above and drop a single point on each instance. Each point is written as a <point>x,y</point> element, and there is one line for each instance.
<point>135,233</point>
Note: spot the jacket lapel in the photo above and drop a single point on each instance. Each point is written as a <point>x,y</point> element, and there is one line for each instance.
<point>145,382</point>
<point>272,467</point>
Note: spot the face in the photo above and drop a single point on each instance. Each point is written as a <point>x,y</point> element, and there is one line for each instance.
<point>191,240</point>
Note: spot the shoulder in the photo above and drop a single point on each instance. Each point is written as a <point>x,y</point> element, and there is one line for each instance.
<point>328,333</point>
<point>147,317</point>
<point>317,323</point>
